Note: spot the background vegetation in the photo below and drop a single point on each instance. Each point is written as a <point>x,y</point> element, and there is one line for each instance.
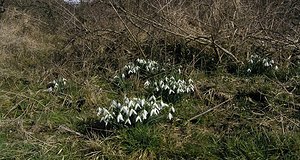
<point>234,113</point>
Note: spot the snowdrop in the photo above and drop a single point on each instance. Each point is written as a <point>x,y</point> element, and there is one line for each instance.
<point>56,85</point>
<point>134,110</point>
<point>170,116</point>
<point>257,64</point>
<point>171,85</point>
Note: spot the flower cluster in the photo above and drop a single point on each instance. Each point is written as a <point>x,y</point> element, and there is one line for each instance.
<point>257,64</point>
<point>171,85</point>
<point>58,84</point>
<point>133,110</point>
<point>147,66</point>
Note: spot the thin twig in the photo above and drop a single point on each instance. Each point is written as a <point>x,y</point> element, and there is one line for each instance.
<point>61,127</point>
<point>190,37</point>
<point>209,110</point>
<point>133,37</point>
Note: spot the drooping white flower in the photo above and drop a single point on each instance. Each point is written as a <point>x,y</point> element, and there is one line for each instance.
<point>120,118</point>
<point>64,81</point>
<point>113,103</point>
<point>132,111</point>
<point>152,99</point>
<point>142,102</point>
<point>144,114</point>
<point>137,105</point>
<point>172,109</point>
<point>138,118</point>
<point>147,84</point>
<point>105,111</point>
<point>99,111</point>
<point>170,116</point>
<point>128,121</point>
<point>171,91</point>
<point>125,110</point>
<point>156,89</point>
<point>162,104</point>
<point>153,112</point>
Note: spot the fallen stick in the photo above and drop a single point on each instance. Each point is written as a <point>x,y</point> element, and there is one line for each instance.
<point>209,110</point>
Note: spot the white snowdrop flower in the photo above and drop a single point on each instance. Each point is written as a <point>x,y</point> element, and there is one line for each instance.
<point>166,79</point>
<point>249,70</point>
<point>170,116</point>
<point>64,81</point>
<point>272,61</point>
<point>50,89</point>
<point>99,111</point>
<point>144,114</point>
<point>155,105</point>
<point>153,112</point>
<point>128,121</point>
<point>130,103</point>
<point>106,122</point>
<point>162,104</point>
<point>113,103</point>
<point>265,60</point>
<point>126,67</point>
<point>137,105</point>
<point>188,90</point>
<point>119,105</point>
<point>55,84</point>
<point>139,60</point>
<point>180,90</point>
<point>126,100</point>
<point>276,67</point>
<point>180,81</point>
<point>191,87</point>
<point>120,118</point>
<point>106,117</point>
<point>101,119</point>
<point>161,84</point>
<point>138,118</point>
<point>174,86</point>
<point>132,111</point>
<point>123,75</point>
<point>105,112</point>
<point>146,84</point>
<point>142,102</point>
<point>172,109</point>
<point>166,87</point>
<point>171,91</point>
<point>152,99</point>
<point>125,110</point>
<point>266,64</point>
<point>156,89</point>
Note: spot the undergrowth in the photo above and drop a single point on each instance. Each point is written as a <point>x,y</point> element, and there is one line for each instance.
<point>173,80</point>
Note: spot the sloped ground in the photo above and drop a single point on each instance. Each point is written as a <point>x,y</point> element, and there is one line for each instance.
<point>233,113</point>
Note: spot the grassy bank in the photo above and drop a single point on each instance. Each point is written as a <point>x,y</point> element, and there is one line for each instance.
<point>60,64</point>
